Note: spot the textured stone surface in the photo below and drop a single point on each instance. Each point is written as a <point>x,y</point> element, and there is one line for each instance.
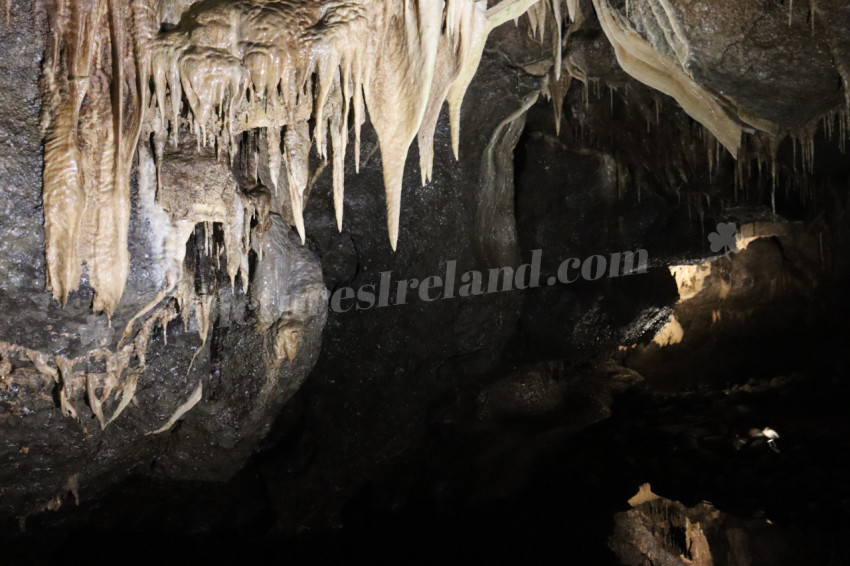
<point>767,57</point>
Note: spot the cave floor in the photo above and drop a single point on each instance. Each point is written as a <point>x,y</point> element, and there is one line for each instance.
<point>683,442</point>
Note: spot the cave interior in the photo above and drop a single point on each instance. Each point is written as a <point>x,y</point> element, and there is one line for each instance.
<point>425,282</point>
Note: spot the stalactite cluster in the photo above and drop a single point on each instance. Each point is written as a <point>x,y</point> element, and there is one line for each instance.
<point>182,97</point>
<point>294,73</point>
<point>266,81</point>
<point>73,379</point>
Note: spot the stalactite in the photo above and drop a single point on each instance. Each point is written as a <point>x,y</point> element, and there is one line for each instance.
<point>539,16</point>
<point>296,147</point>
<point>258,71</point>
<point>574,12</point>
<point>556,90</point>
<point>66,70</point>
<point>180,411</point>
<point>93,115</point>
<point>459,51</point>
<point>274,156</point>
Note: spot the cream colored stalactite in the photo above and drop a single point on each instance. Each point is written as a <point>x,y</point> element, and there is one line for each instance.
<point>100,226</point>
<point>203,310</point>
<point>190,403</point>
<point>296,153</point>
<point>104,224</point>
<point>557,48</point>
<point>398,85</point>
<point>476,37</point>
<point>93,119</point>
<point>112,262</point>
<point>538,15</point>
<point>637,57</point>
<point>67,68</point>
<point>574,12</point>
<point>341,73</point>
<point>339,143</point>
<point>210,80</point>
<point>274,155</point>
<point>537,18</point>
<point>237,240</point>
<point>168,86</point>
<point>460,47</point>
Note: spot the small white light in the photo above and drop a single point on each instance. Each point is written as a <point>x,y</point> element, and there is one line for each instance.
<point>770,433</point>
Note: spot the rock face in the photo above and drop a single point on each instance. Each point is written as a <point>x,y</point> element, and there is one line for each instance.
<point>659,532</point>
<point>250,378</point>
<point>731,49</point>
<point>82,393</point>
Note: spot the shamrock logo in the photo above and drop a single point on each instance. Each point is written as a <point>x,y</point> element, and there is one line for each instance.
<point>724,238</point>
